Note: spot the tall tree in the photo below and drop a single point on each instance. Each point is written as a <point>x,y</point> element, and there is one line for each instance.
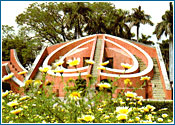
<point>77,16</point>
<point>99,17</point>
<point>45,19</point>
<point>27,48</point>
<point>118,26</point>
<point>144,39</point>
<point>166,27</point>
<point>139,17</point>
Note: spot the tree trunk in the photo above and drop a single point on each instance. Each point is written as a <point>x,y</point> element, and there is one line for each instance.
<point>171,60</point>
<point>138,26</point>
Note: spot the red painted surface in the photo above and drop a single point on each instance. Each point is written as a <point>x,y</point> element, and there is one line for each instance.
<point>107,50</point>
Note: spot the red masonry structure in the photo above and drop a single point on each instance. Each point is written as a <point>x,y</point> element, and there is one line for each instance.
<point>145,60</point>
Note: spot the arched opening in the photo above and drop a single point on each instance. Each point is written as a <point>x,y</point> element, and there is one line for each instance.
<point>6,86</point>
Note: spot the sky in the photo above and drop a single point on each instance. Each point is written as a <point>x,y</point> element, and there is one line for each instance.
<point>11,9</point>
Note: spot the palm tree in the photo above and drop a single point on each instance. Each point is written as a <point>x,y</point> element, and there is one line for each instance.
<point>166,27</point>
<point>97,22</point>
<point>77,13</point>
<point>118,26</point>
<point>139,17</point>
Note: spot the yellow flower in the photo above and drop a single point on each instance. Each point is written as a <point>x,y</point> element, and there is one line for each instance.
<point>24,98</point>
<point>44,69</point>
<point>100,109</point>
<point>22,72</point>
<point>160,119</point>
<point>89,76</point>
<point>59,70</point>
<point>39,92</point>
<point>106,116</point>
<point>164,115</point>
<point>88,118</point>
<point>25,107</point>
<point>44,121</point>
<point>7,77</point>
<point>4,94</point>
<point>127,81</point>
<point>13,103</point>
<point>126,65</point>
<point>73,62</point>
<point>169,120</point>
<point>121,116</point>
<point>16,111</point>
<point>137,119</point>
<point>37,83</point>
<point>145,78</point>
<point>3,100</point>
<point>28,82</point>
<point>123,110</point>
<point>101,68</point>
<point>130,121</point>
<point>153,113</point>
<point>59,63</point>
<point>139,102</point>
<point>3,107</point>
<point>89,61</point>
<point>163,109</point>
<point>150,107</point>
<point>122,103</point>
<point>75,95</point>
<point>139,98</point>
<point>104,86</point>
<point>130,94</point>
<point>104,63</point>
<point>145,109</point>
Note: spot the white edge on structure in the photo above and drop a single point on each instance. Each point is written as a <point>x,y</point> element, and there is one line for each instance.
<point>162,66</point>
<point>35,63</point>
<point>50,55</point>
<point>68,70</point>
<point>16,58</point>
<point>17,81</point>
<point>147,70</point>
<point>68,53</point>
<point>135,62</point>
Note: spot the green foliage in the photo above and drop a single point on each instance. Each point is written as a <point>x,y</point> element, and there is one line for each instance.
<point>26,47</point>
<point>162,104</point>
<point>139,17</point>
<point>166,25</point>
<point>58,22</point>
<point>41,105</point>
<point>164,46</point>
<point>144,39</point>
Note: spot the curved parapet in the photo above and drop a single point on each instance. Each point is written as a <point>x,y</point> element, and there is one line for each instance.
<point>135,62</point>
<point>163,73</point>
<point>15,60</point>
<point>135,50</point>
<point>15,83</point>
<point>70,52</point>
<point>64,49</point>
<point>37,63</point>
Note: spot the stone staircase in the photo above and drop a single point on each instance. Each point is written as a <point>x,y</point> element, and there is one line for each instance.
<point>158,92</point>
<point>38,76</point>
<point>97,58</point>
<point>142,65</point>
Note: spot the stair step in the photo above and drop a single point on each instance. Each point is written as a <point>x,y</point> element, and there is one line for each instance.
<point>158,92</point>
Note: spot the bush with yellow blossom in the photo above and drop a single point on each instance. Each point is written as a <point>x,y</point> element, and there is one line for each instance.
<point>89,106</point>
